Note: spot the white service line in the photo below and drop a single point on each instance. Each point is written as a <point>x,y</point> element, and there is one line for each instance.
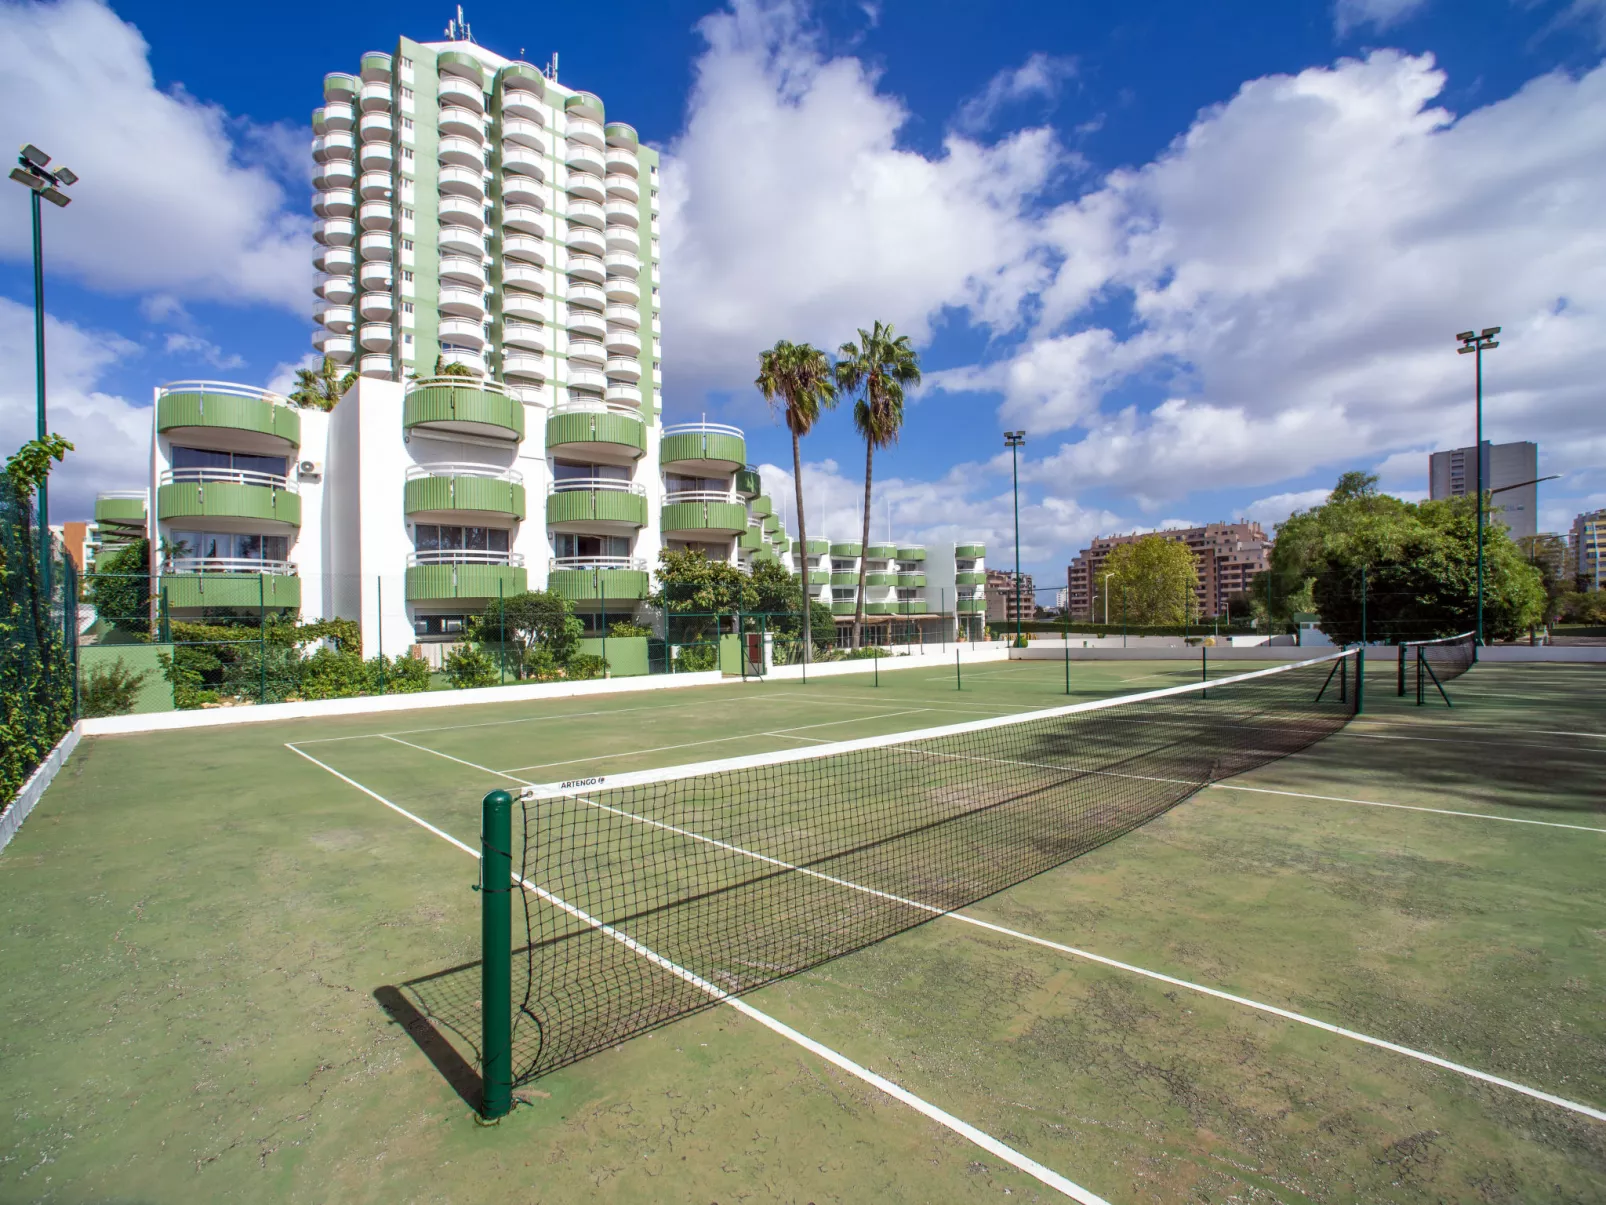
<point>1408,807</point>
<point>1043,1175</point>
<point>1436,724</point>
<point>1449,740</point>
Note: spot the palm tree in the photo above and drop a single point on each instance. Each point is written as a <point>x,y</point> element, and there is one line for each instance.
<point>877,369</point>
<point>800,374</point>
<point>321,387</point>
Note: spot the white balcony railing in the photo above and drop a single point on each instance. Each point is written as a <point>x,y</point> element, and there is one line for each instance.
<point>228,564</point>
<point>597,406</point>
<point>452,468</point>
<point>597,562</point>
<point>484,386</point>
<point>270,481</point>
<point>226,387</point>
<point>704,428</point>
<point>465,556</point>
<point>698,496</point>
<point>596,483</point>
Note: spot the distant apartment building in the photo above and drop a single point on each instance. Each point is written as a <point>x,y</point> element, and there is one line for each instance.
<point>1002,596</point>
<point>1226,558</point>
<point>1586,549</point>
<point>1454,474</point>
<point>937,591</point>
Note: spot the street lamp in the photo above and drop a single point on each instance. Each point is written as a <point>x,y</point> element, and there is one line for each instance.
<point>41,182</point>
<point>1014,441</point>
<point>1107,578</point>
<point>1477,343</point>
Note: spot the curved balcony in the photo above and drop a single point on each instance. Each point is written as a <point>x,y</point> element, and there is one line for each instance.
<point>970,552</point>
<point>338,289</point>
<point>376,274</point>
<point>120,508</point>
<point>462,270</point>
<point>526,368</point>
<point>585,186</point>
<point>596,503</point>
<point>586,579</point>
<point>464,493</point>
<point>848,579</point>
<point>703,512</point>
<point>376,95</point>
<point>582,157</point>
<point>619,368</point>
<point>375,127</point>
<point>759,506</point>
<point>705,448</point>
<point>623,314</point>
<point>378,364</point>
<point>462,211</point>
<point>748,483</point>
<point>525,133</point>
<point>816,547</point>
<point>336,261</point>
<point>461,240</point>
<point>624,341</point>
<point>334,145</point>
<point>585,352</point>
<point>970,579</point>
<point>466,333</point>
<point>843,607</point>
<point>621,160</point>
<point>621,213</point>
<point>228,494</point>
<point>879,552</point>
<point>525,335</point>
<point>521,192</point>
<point>530,307</point>
<point>521,82</point>
<point>458,122</point>
<point>525,219</point>
<point>522,276</point>
<point>449,406</point>
<point>587,240</point>
<point>624,394</point>
<point>911,552</point>
<point>461,182</point>
<point>377,244</point>
<point>338,318</point>
<point>339,348</point>
<point>462,302</point>
<point>588,268</point>
<point>189,582</point>
<point>376,215</point>
<point>582,128</point>
<point>751,540</point>
<point>586,213</point>
<point>586,324</point>
<point>462,574</point>
<point>624,239</point>
<point>376,306</point>
<point>518,159</point>
<point>970,606</point>
<point>586,297</point>
<point>337,173</point>
<point>376,66</point>
<point>624,187</point>
<point>454,151</point>
<point>587,380</point>
<point>622,289</point>
<point>455,90</point>
<point>620,263</point>
<point>337,115</point>
<point>231,418</point>
<point>377,156</point>
<point>911,581</point>
<point>621,134</point>
<point>376,186</point>
<point>472,358</point>
<point>817,577</point>
<point>335,203</point>
<point>524,249</point>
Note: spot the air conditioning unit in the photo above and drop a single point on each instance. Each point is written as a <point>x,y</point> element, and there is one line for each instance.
<point>312,468</point>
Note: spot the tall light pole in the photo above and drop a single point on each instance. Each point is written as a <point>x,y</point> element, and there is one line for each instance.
<point>1477,344</point>
<point>41,182</point>
<point>1107,578</point>
<point>1014,441</point>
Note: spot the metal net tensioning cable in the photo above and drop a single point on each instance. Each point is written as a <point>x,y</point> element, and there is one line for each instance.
<point>651,894</point>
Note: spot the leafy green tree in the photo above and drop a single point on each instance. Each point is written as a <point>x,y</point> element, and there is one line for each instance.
<point>29,465</point>
<point>468,666</point>
<point>120,588</point>
<point>535,621</point>
<point>624,629</point>
<point>1158,578</point>
<point>322,387</point>
<point>694,590</point>
<point>876,369</point>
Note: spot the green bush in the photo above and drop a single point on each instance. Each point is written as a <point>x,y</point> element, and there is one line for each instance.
<point>468,665</point>
<point>585,665</point>
<point>402,675</point>
<point>864,654</point>
<point>331,675</point>
<point>110,690</point>
<point>696,658</point>
<point>625,629</point>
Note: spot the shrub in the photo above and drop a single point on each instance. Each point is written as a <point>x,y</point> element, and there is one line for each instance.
<point>331,675</point>
<point>624,629</point>
<point>865,653</point>
<point>696,658</point>
<point>403,675</point>
<point>541,666</point>
<point>585,665</point>
<point>110,690</point>
<point>468,666</point>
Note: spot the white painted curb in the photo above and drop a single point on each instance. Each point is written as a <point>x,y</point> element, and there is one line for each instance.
<point>44,774</point>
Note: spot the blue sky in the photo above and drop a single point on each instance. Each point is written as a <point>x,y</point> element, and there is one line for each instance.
<point>1207,256</point>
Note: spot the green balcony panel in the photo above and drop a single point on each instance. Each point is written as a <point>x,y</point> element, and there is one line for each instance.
<point>522,71</point>
<point>843,608</point>
<point>968,605</point>
<point>845,549</point>
<point>845,579</point>
<point>230,412</point>
<point>879,608</point>
<point>816,547</point>
<point>748,483</point>
<point>454,492</point>
<point>278,590</point>
<point>704,445</point>
<point>970,552</point>
<point>457,58</point>
<point>428,582</point>
<point>817,577</point>
<point>730,517</point>
<point>464,409</point>
<point>879,552</point>
<point>376,63</point>
<point>765,557</point>
<point>607,432</point>
<point>227,500</point>
<point>911,607</point>
<point>772,524</point>
<point>596,506</point>
<point>339,84</point>
<point>970,579</point>
<point>911,554</point>
<point>911,580</point>
<point>880,579</point>
<point>750,540</point>
<point>761,506</point>
<point>588,585</point>
<point>127,512</point>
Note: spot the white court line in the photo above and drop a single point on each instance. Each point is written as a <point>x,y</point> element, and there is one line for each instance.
<point>1449,740</point>
<point>932,909</point>
<point>942,1117</point>
<point>1392,723</point>
<point>1408,807</point>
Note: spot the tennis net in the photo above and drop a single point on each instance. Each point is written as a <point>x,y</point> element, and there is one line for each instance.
<point>649,895</point>
<point>1443,659</point>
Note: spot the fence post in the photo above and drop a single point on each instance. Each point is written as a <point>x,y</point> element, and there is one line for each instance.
<point>1204,670</point>
<point>1360,680</point>
<point>959,677</point>
<point>262,637</point>
<point>496,956</point>
<point>1400,673</point>
<point>501,635</point>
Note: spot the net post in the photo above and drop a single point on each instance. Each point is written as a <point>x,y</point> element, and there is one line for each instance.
<point>1204,670</point>
<point>1360,680</point>
<point>959,677</point>
<point>496,955</point>
<point>1420,660</point>
<point>1401,683</point>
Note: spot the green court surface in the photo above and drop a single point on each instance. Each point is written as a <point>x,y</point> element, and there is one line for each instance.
<point>205,939</point>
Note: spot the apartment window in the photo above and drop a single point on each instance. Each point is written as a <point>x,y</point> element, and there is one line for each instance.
<point>440,626</point>
<point>407,94</point>
<point>407,214</point>
<point>566,545</point>
<point>406,62</point>
<point>407,152</point>
<point>577,470</point>
<point>407,277</point>
<point>211,546</point>
<point>407,338</point>
<point>656,366</point>
<point>407,245</point>
<point>654,171</point>
<point>227,462</point>
<point>407,123</point>
<point>407,307</point>
<point>427,537</point>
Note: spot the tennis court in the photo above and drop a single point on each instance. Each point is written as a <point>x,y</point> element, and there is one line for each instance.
<point>244,938</point>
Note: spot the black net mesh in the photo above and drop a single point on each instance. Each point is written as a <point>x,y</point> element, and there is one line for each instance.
<point>653,899</point>
<point>1448,658</point>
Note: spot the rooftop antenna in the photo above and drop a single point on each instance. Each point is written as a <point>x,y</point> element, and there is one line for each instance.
<point>552,68</point>
<point>458,30</point>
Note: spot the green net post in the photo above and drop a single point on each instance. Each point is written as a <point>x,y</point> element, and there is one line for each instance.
<point>262,638</point>
<point>959,677</point>
<point>496,958</point>
<point>1360,680</point>
<point>1401,673</point>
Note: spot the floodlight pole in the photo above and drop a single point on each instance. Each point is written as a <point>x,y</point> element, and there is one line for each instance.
<point>1477,344</point>
<point>39,384</point>
<point>1013,441</point>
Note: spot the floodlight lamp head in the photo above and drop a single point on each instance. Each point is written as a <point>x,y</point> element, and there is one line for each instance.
<point>23,176</point>
<point>56,197</point>
<point>67,176</point>
<point>34,155</point>
<point>1489,332</point>
<point>1467,336</point>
